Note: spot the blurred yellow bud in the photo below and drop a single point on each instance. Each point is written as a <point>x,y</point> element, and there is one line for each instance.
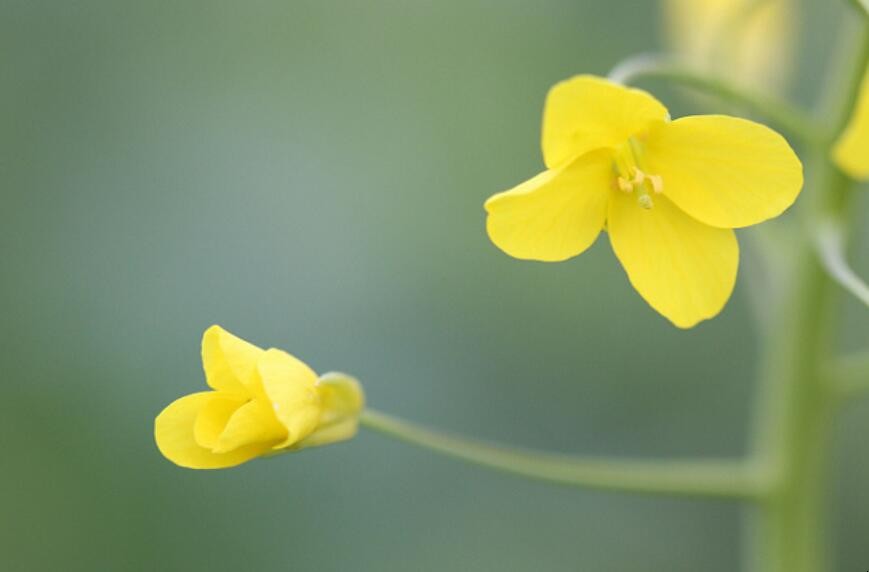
<point>263,402</point>
<point>751,41</point>
<point>852,150</point>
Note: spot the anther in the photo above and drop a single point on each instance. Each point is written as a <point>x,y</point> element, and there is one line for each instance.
<point>657,183</point>
<point>624,185</point>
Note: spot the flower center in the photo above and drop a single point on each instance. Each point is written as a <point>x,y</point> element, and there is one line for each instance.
<point>631,176</point>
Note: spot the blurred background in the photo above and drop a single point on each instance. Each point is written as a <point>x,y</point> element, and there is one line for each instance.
<point>310,175</point>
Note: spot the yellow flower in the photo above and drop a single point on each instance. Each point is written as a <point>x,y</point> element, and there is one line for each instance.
<point>852,150</point>
<point>668,192</point>
<point>749,40</point>
<point>264,401</point>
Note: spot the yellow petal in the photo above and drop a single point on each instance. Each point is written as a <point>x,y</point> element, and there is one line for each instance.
<point>326,435</point>
<point>684,269</point>
<point>585,113</point>
<point>212,420</point>
<point>852,150</point>
<point>229,361</point>
<point>555,215</point>
<point>290,386</point>
<point>174,433</point>
<point>342,401</point>
<point>253,423</point>
<point>723,171</point>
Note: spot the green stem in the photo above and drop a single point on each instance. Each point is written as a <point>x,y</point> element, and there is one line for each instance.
<point>724,478</point>
<point>795,411</point>
<point>778,112</point>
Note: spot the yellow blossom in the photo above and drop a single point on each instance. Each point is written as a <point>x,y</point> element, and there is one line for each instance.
<point>751,41</point>
<point>262,402</point>
<point>852,150</point>
<point>668,192</point>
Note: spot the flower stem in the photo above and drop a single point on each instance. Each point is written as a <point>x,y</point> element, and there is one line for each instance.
<point>778,112</point>
<point>707,478</point>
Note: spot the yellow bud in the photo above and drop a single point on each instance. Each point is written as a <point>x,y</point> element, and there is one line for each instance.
<point>263,402</point>
<point>749,40</point>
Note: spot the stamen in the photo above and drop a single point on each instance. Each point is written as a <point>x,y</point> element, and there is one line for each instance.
<point>630,176</point>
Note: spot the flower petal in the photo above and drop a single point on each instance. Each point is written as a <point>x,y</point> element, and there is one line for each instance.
<point>684,269</point>
<point>229,361</point>
<point>585,113</point>
<point>555,215</point>
<point>251,424</point>
<point>174,433</point>
<point>723,171</point>
<point>213,418</point>
<point>852,150</point>
<point>290,385</point>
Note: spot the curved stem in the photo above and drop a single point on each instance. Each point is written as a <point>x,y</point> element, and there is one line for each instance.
<point>719,478</point>
<point>831,250</point>
<point>779,112</point>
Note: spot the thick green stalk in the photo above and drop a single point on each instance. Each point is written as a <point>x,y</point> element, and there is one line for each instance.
<point>849,375</point>
<point>792,441</point>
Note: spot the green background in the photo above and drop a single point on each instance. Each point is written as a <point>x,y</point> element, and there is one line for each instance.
<point>310,175</point>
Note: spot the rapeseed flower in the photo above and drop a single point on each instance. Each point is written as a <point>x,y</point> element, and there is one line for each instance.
<point>852,150</point>
<point>668,193</point>
<point>262,402</point>
<point>750,41</point>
